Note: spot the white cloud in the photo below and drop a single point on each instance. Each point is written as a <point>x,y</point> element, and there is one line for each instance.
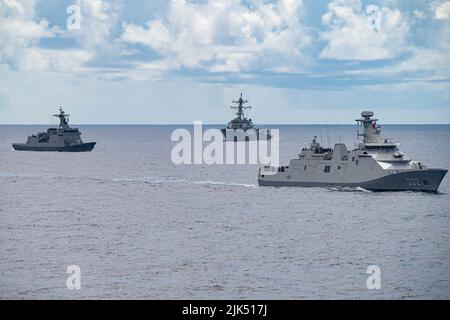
<point>21,31</point>
<point>156,35</point>
<point>223,35</point>
<point>443,11</point>
<point>40,59</point>
<point>97,19</point>
<point>422,65</point>
<point>357,33</point>
<point>419,14</point>
<point>12,4</point>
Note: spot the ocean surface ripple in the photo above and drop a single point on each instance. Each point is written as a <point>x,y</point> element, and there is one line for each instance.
<point>141,227</point>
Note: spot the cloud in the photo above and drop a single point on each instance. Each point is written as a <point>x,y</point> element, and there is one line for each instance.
<point>261,40</point>
<point>140,52</point>
<point>21,33</point>
<point>357,33</point>
<point>156,35</point>
<point>421,65</point>
<point>12,4</point>
<point>425,56</point>
<point>223,35</point>
<point>40,59</point>
<point>97,19</point>
<point>443,11</point>
<point>418,14</point>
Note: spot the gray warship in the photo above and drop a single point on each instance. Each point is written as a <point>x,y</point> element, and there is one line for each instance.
<point>63,138</point>
<point>375,164</point>
<point>241,128</point>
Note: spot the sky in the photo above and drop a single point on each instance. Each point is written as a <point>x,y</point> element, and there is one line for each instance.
<point>174,62</point>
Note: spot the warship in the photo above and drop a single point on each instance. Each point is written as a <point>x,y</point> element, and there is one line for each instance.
<point>241,128</point>
<point>63,138</point>
<point>375,164</point>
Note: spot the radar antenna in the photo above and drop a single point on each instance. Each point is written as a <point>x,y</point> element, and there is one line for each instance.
<point>240,107</point>
<point>63,119</point>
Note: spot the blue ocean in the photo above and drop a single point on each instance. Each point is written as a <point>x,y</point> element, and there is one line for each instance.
<point>139,226</point>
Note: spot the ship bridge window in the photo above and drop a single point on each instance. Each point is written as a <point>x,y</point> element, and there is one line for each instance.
<point>388,147</point>
<point>327,169</point>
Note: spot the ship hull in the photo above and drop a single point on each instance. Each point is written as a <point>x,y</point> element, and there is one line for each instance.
<point>415,180</point>
<point>82,147</point>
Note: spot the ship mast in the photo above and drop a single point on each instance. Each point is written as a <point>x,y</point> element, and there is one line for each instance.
<point>240,107</point>
<point>63,119</point>
<point>371,129</point>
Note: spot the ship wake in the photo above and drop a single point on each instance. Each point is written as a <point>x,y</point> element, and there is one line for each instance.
<point>348,189</point>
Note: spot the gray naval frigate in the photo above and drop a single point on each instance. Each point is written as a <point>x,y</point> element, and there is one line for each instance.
<point>375,164</point>
<point>63,138</point>
<point>241,128</point>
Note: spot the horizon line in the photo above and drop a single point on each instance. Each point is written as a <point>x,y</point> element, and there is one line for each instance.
<point>212,124</point>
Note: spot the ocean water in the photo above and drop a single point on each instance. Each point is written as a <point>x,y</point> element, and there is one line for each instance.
<point>141,227</point>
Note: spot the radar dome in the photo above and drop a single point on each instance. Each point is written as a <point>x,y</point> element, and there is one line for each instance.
<point>367,114</point>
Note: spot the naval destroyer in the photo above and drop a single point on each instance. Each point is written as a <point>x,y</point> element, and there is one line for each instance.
<point>374,164</point>
<point>63,138</point>
<point>241,128</point>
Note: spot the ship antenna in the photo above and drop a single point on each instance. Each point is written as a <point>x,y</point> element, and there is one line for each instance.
<point>328,137</point>
<point>63,119</point>
<point>240,107</point>
<point>357,130</point>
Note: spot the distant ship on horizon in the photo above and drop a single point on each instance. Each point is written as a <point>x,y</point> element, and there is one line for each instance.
<point>241,128</point>
<point>62,139</point>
